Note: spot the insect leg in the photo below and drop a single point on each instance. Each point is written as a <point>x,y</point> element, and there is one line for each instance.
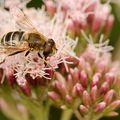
<point>2,61</point>
<point>41,56</point>
<point>3,58</point>
<point>26,54</point>
<point>15,53</point>
<point>46,63</point>
<point>11,54</point>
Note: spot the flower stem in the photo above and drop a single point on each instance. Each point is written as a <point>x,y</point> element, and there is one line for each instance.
<point>9,105</point>
<point>77,114</point>
<point>38,110</point>
<point>92,116</point>
<point>66,114</point>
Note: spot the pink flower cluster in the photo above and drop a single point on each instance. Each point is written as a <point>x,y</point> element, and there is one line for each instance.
<point>88,83</point>
<point>90,86</point>
<point>83,14</point>
<point>26,71</point>
<point>32,70</point>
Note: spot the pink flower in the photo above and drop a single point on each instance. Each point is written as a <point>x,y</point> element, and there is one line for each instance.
<point>50,6</point>
<point>22,67</point>
<point>33,70</point>
<point>93,87</point>
<point>82,14</point>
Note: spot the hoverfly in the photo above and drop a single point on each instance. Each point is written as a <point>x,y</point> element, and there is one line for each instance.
<point>15,42</point>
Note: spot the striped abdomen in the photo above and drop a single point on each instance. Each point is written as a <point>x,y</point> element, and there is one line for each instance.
<point>12,37</point>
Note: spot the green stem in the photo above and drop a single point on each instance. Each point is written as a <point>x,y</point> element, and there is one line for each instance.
<point>39,111</point>
<point>10,106</point>
<point>43,114</point>
<point>66,114</point>
<point>92,116</point>
<point>77,114</point>
<point>45,111</point>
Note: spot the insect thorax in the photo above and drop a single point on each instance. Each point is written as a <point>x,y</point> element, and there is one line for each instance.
<point>35,41</point>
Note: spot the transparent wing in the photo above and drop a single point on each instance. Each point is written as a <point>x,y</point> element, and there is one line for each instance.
<point>22,20</point>
<point>9,51</point>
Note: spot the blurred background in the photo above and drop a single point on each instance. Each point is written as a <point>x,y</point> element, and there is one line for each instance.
<point>114,41</point>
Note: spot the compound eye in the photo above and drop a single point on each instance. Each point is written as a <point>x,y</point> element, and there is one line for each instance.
<point>51,41</point>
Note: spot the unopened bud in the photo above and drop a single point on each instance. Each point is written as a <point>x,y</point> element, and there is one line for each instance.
<point>77,90</point>
<point>100,107</point>
<point>51,7</point>
<point>10,76</point>
<point>25,87</point>
<point>86,99</point>
<point>54,96</point>
<point>109,96</point>
<point>115,104</point>
<point>83,109</point>
<point>83,78</point>
<point>104,87</point>
<point>94,93</point>
<point>96,79</point>
<point>68,98</point>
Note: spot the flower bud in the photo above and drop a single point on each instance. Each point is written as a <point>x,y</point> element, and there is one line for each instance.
<point>77,89</point>
<point>100,107</point>
<point>1,76</point>
<point>50,6</point>
<point>83,78</point>
<point>70,81</point>
<point>109,78</point>
<point>10,76</point>
<point>94,93</point>
<point>75,74</point>
<point>68,98</point>
<point>83,109</point>
<point>112,114</point>
<point>61,89</point>
<point>109,96</point>
<point>104,88</point>
<point>70,25</point>
<point>115,104</point>
<point>54,96</point>
<point>96,79</point>
<point>109,24</point>
<point>86,99</point>
<point>25,87</point>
